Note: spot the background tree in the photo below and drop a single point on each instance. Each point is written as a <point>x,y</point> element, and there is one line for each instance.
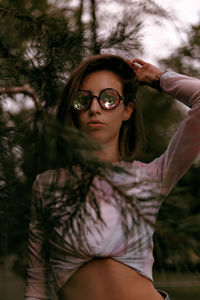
<point>181,211</point>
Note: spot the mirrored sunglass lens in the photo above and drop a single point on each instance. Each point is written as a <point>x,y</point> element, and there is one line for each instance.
<point>109,99</point>
<point>81,101</point>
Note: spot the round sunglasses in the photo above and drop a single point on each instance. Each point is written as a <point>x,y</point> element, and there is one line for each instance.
<point>108,99</point>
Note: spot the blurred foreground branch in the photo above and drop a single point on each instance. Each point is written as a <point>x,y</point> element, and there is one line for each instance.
<point>26,89</point>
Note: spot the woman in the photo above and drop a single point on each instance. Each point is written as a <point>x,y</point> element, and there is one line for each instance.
<point>100,100</point>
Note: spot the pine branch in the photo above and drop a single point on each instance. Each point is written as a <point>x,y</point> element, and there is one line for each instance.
<point>26,89</point>
<point>126,35</point>
<point>18,15</point>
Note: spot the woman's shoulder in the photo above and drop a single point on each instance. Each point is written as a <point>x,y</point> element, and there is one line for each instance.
<point>49,177</point>
<point>59,177</point>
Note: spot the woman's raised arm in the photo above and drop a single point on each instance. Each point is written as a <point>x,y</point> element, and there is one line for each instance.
<point>184,146</point>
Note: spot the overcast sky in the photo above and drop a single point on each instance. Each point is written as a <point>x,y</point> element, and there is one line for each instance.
<point>161,40</point>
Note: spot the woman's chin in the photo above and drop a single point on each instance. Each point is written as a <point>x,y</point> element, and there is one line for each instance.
<point>98,138</point>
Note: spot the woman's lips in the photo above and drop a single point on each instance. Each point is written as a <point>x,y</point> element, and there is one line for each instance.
<point>95,124</point>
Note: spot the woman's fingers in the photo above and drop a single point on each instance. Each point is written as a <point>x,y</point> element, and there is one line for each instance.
<point>146,73</point>
<point>138,65</point>
<point>139,61</point>
<point>133,65</point>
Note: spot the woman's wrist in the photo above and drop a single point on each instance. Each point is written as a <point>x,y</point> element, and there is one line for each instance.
<point>155,83</point>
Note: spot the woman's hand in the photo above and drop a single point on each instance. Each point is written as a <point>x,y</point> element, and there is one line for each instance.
<point>145,72</point>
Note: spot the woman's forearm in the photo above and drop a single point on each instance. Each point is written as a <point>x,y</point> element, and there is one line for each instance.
<point>184,88</point>
<point>184,147</point>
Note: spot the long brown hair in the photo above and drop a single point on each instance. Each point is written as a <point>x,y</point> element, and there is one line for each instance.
<point>131,137</point>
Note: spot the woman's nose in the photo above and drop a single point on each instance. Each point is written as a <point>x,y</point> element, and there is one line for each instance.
<point>95,106</point>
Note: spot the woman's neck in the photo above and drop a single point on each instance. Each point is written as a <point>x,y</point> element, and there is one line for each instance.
<point>108,153</point>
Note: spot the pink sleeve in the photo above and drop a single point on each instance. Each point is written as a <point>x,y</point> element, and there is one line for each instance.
<point>38,274</point>
<point>184,147</point>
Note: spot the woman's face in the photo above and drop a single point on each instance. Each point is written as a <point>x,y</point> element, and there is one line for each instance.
<point>103,125</point>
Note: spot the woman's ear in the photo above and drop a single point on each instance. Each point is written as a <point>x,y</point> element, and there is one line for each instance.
<point>128,109</point>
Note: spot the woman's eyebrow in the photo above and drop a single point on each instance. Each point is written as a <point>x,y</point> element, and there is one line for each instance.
<point>84,91</point>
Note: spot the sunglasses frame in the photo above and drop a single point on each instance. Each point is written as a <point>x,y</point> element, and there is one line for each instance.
<point>99,100</point>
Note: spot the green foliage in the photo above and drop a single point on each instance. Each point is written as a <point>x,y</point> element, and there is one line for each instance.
<point>186,58</point>
<point>177,231</point>
<point>39,47</point>
<point>178,225</point>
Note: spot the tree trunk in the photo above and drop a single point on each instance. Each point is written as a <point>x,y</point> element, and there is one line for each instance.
<point>95,46</point>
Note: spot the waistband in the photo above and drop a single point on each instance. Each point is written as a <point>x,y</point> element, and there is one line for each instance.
<point>164,294</point>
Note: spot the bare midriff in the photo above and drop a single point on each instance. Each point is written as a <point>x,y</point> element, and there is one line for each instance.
<point>107,279</point>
